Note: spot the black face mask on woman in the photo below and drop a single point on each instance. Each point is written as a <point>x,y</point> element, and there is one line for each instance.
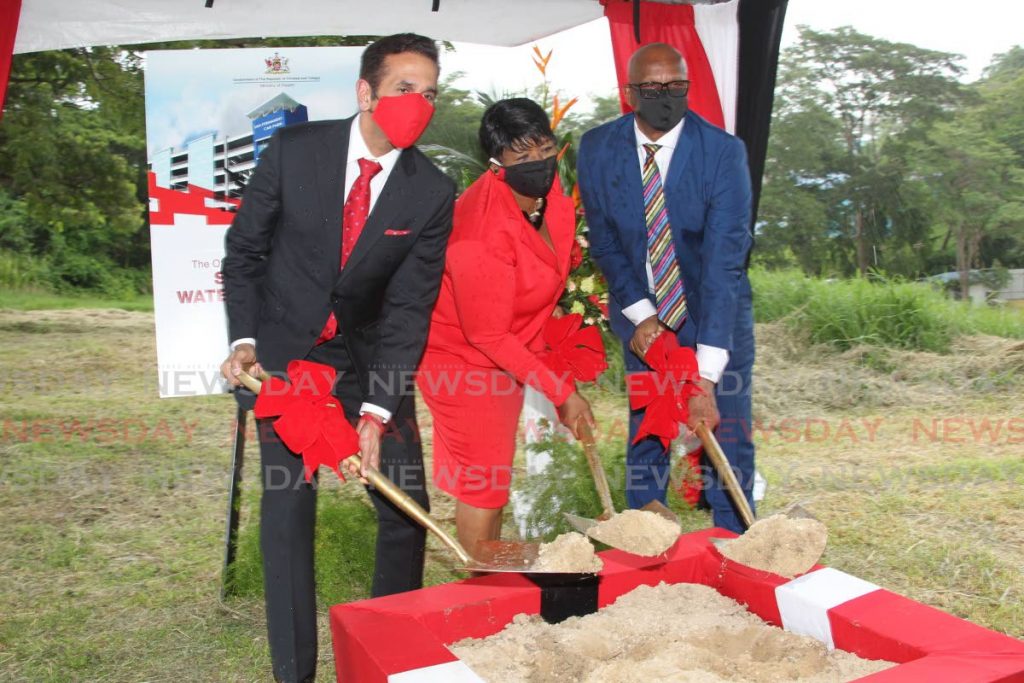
<point>532,178</point>
<point>662,112</point>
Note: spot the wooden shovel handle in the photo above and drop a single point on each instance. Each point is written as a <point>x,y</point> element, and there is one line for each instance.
<point>596,468</point>
<point>387,487</point>
<point>717,457</point>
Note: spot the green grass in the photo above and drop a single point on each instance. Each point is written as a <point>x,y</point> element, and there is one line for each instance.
<point>847,313</point>
<point>110,549</point>
<point>22,271</point>
<point>37,299</point>
<point>345,536</point>
<point>1001,322</point>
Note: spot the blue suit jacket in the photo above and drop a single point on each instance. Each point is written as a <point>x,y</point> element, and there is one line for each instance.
<point>708,197</point>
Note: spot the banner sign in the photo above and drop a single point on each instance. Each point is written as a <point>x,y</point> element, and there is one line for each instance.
<point>209,113</point>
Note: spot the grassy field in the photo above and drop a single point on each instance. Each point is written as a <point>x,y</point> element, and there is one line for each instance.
<point>113,500</point>
<point>35,300</point>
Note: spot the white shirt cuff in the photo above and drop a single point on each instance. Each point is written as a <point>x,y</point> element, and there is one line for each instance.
<point>244,340</point>
<point>375,410</point>
<point>640,311</point>
<point>711,362</point>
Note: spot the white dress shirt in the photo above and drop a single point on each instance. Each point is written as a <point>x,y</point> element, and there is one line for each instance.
<point>357,149</point>
<point>711,360</point>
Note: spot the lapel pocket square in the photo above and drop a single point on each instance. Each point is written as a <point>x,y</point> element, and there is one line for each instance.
<point>397,233</point>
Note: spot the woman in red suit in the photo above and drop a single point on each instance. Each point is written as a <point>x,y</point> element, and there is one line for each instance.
<point>505,270</point>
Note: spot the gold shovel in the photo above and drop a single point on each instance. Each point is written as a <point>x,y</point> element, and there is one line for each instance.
<point>583,524</point>
<point>491,556</point>
<point>727,476</point>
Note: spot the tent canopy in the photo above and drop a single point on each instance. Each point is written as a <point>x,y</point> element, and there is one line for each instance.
<point>57,24</point>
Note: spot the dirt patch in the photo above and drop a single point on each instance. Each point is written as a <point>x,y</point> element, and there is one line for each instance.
<point>679,632</point>
<point>79,320</point>
<point>637,531</point>
<point>780,545</point>
<point>794,377</point>
<point>571,553</point>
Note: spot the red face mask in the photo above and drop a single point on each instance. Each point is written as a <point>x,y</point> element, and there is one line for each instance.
<point>403,118</point>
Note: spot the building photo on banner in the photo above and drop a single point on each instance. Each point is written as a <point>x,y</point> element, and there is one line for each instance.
<point>209,113</point>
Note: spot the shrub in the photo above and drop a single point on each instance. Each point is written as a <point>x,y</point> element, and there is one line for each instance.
<point>777,293</point>
<point>21,271</point>
<point>879,312</point>
<point>900,315</point>
<point>566,485</point>
<point>995,320</point>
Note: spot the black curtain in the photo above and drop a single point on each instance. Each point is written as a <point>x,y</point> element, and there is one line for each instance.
<point>760,34</point>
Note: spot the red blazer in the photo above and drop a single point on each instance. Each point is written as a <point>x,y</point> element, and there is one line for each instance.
<point>501,283</point>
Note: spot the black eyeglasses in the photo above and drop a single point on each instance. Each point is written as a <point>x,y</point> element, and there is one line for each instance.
<point>652,89</point>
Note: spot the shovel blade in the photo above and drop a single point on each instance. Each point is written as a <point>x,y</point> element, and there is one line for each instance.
<point>792,511</point>
<point>719,542</point>
<point>503,556</point>
<point>580,524</point>
<point>797,511</point>
<point>508,557</point>
<point>660,509</point>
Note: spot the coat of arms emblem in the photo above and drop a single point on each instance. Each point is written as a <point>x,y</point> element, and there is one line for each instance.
<point>276,64</point>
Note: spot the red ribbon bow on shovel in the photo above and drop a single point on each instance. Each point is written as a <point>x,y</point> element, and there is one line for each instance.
<point>664,393</point>
<point>572,350</point>
<point>310,419</point>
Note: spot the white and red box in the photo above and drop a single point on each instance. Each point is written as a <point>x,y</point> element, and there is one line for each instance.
<point>402,638</point>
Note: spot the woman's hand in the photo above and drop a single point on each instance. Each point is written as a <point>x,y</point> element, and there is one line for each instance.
<point>574,409</point>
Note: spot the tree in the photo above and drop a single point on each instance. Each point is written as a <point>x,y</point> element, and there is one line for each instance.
<point>452,140</point>
<point>978,186</point>
<point>73,158</point>
<point>799,179</point>
<point>603,110</point>
<point>1001,113</point>
<point>880,97</point>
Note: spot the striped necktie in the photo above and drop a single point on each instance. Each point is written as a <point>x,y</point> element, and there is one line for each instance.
<point>668,281</point>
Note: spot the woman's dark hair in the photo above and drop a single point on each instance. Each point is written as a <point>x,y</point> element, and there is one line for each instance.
<point>371,65</point>
<point>514,124</point>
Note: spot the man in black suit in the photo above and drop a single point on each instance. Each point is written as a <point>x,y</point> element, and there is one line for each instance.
<point>336,257</point>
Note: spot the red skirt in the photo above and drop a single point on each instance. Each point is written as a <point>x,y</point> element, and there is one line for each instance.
<point>476,416</point>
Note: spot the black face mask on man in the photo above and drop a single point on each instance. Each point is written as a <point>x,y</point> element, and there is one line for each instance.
<point>531,178</point>
<point>662,112</point>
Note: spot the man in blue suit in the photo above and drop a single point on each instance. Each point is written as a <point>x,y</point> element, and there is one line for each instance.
<point>667,199</point>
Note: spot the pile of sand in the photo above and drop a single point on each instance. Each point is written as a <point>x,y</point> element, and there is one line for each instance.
<point>638,532</point>
<point>780,545</point>
<point>571,553</point>
<point>680,632</point>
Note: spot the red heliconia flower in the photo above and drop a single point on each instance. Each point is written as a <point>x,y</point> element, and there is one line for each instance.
<point>691,484</point>
<point>575,256</point>
<point>310,419</point>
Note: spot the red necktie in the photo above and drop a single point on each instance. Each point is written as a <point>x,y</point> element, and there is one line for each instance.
<point>353,219</point>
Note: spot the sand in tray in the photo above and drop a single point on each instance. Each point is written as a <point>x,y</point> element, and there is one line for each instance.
<point>681,632</point>
<point>570,553</point>
<point>780,545</point>
<point>637,531</point>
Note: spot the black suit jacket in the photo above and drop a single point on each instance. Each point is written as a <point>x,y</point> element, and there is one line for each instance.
<point>281,276</point>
